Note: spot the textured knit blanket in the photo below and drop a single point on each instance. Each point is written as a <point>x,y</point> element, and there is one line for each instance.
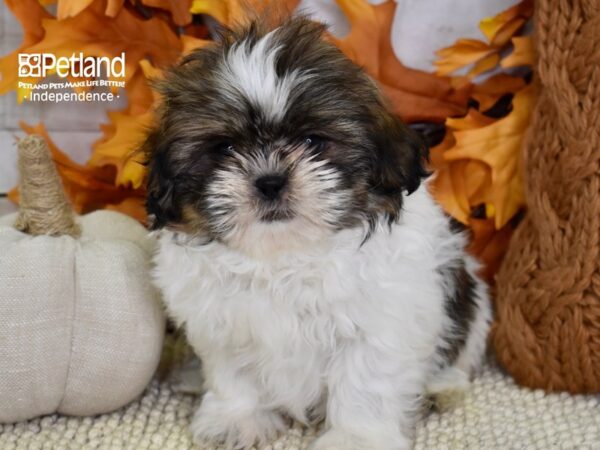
<point>494,414</point>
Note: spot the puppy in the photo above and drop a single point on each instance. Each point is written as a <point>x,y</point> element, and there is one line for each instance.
<point>308,264</point>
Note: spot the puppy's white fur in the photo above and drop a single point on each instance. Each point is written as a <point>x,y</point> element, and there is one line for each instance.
<point>249,72</point>
<point>354,326</point>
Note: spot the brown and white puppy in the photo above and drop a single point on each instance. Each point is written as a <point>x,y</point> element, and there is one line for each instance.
<point>309,266</point>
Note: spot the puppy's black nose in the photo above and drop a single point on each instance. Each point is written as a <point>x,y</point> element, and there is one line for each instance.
<point>270,186</point>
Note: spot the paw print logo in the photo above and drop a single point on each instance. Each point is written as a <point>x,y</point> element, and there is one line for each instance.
<point>30,65</point>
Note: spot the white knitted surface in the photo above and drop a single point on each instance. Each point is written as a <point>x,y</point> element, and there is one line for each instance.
<point>494,414</point>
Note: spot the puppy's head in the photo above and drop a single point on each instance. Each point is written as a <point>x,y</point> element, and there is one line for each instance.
<point>272,140</point>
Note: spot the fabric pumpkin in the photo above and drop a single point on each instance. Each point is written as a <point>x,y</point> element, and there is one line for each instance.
<point>81,327</point>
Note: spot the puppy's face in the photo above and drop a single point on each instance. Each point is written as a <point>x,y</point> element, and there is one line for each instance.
<point>273,140</point>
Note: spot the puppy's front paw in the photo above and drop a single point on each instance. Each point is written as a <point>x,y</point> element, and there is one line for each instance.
<point>220,422</point>
<point>188,378</point>
<point>448,388</point>
<point>340,440</point>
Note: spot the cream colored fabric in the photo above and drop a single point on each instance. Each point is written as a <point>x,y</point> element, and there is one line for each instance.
<point>494,415</point>
<point>81,327</point>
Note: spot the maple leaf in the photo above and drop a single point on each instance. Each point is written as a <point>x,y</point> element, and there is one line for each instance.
<point>489,245</point>
<point>179,9</point>
<point>113,7</point>
<point>235,12</point>
<point>495,147</point>
<point>220,10</point>
<point>93,35</point>
<point>492,89</point>
<point>462,53</point>
<point>126,131</point>
<point>478,172</point>
<point>523,53</point>
<point>501,27</point>
<point>71,8</point>
<point>484,56</point>
<point>415,95</point>
<point>191,43</point>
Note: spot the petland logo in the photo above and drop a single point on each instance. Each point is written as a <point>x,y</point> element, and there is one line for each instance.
<point>43,64</point>
<point>90,69</point>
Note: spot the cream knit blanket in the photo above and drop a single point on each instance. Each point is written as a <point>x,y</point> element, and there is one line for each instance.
<point>494,414</point>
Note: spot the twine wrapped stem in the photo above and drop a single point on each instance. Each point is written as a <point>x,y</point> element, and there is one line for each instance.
<point>44,208</point>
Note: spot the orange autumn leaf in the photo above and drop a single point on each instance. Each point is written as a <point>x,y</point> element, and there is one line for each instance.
<point>235,12</point>
<point>93,35</point>
<point>462,53</point>
<point>507,31</point>
<point>140,96</point>
<point>415,95</point>
<point>485,64</point>
<point>179,9</point>
<point>489,245</point>
<point>493,143</point>
<point>499,146</point>
<point>477,164</point>
<point>30,14</point>
<point>126,130</point>
<point>484,56</point>
<point>492,27</point>
<point>456,183</point>
<point>473,119</point>
<point>120,149</point>
<point>492,89</point>
<point>223,11</point>
<point>113,7</point>
<point>71,8</point>
<point>448,185</point>
<point>191,43</point>
<point>523,53</point>
<point>362,44</point>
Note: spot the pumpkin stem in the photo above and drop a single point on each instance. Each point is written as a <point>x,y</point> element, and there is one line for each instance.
<point>44,208</point>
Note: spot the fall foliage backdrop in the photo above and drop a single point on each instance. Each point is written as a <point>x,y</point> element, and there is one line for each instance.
<point>475,121</point>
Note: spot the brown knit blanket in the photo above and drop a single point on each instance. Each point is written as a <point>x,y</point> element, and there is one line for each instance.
<point>547,330</point>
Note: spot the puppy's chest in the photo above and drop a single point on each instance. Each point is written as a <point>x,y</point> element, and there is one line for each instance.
<point>299,304</point>
<point>286,307</point>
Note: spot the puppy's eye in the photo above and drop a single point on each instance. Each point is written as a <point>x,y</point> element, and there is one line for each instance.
<point>315,142</point>
<point>223,147</point>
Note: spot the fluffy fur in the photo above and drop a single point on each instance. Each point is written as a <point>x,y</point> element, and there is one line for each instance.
<point>307,279</point>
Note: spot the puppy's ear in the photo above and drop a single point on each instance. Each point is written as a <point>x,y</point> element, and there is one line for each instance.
<point>161,202</point>
<point>398,163</point>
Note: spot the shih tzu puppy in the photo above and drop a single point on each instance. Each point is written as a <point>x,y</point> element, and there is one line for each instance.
<point>311,269</point>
